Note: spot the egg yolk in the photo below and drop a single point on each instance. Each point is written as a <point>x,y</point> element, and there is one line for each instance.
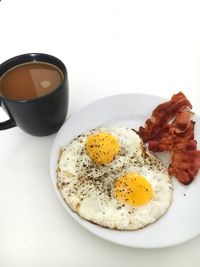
<point>133,189</point>
<point>102,147</point>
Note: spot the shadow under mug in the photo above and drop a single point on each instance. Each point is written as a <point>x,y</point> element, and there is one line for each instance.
<point>39,116</point>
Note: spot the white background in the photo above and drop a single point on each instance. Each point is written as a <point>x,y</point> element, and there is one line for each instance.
<point>108,47</point>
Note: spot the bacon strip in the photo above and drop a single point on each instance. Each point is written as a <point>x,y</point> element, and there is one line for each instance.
<point>182,140</point>
<point>162,114</point>
<point>182,121</point>
<point>185,165</point>
<point>174,137</point>
<point>177,136</point>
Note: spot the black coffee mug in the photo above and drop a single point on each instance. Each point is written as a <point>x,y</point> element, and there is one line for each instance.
<point>40,116</point>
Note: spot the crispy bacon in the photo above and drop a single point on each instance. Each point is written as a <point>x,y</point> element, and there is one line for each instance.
<point>170,128</point>
<point>172,138</point>
<point>183,140</point>
<point>185,165</point>
<point>162,114</point>
<point>182,121</point>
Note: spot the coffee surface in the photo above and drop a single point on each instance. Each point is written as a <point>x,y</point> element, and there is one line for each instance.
<point>30,80</point>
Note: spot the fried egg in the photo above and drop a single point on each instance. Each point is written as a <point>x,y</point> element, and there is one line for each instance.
<point>100,151</point>
<point>108,177</point>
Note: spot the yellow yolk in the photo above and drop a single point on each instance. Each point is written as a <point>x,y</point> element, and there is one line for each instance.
<point>133,189</point>
<point>102,147</point>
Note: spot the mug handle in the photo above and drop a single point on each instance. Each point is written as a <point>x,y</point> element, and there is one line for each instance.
<point>7,124</point>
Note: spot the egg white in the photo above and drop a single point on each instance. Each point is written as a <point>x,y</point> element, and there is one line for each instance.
<point>75,161</point>
<point>92,197</point>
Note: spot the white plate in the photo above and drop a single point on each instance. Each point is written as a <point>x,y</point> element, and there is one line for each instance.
<point>182,221</point>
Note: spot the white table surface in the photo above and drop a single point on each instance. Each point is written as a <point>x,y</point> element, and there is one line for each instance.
<point>108,47</point>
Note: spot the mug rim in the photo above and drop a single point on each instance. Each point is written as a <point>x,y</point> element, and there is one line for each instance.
<point>34,56</point>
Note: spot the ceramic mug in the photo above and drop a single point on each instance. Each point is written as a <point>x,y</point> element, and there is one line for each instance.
<point>40,116</point>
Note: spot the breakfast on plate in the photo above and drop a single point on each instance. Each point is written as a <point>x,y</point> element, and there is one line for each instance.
<point>110,177</point>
